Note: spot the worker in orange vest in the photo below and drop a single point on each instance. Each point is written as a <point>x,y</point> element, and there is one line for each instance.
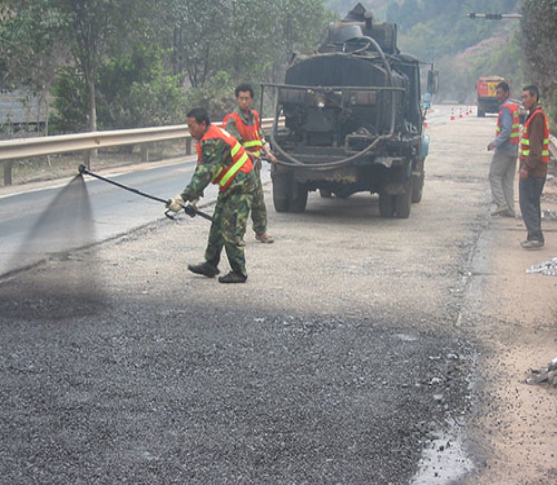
<point>503,164</point>
<point>223,161</point>
<point>534,160</point>
<point>244,123</point>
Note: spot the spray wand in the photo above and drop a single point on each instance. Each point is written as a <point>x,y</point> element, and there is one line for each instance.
<point>190,210</point>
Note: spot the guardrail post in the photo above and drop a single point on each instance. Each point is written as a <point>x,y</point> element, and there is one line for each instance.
<point>87,159</point>
<point>144,152</point>
<point>188,145</point>
<point>8,172</point>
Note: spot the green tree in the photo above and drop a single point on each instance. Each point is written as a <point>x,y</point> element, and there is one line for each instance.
<point>418,41</point>
<point>94,27</point>
<point>90,24</point>
<point>135,90</point>
<point>140,51</point>
<point>214,43</point>
<point>539,38</point>
<point>195,35</point>
<point>248,39</point>
<point>71,101</point>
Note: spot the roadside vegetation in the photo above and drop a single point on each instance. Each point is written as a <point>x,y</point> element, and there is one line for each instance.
<point>109,64</point>
<point>114,64</point>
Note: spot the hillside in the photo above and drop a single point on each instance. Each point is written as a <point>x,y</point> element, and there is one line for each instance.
<point>462,49</point>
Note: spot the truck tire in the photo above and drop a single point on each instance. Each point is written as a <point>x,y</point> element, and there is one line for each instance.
<point>386,204</point>
<point>417,188</point>
<point>281,189</point>
<point>403,201</point>
<point>418,178</point>
<point>298,197</point>
<point>325,193</point>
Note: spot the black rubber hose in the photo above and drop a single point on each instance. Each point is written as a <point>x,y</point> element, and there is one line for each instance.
<point>295,163</point>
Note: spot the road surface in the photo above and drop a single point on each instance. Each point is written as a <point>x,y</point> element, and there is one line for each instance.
<point>360,350</point>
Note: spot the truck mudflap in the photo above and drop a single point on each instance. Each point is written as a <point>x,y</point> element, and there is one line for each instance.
<point>424,151</point>
<point>398,179</point>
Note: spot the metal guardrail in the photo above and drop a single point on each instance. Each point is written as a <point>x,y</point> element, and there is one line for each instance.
<point>11,150</point>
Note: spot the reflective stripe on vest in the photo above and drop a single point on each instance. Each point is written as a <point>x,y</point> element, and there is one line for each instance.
<point>241,162</point>
<point>525,142</point>
<point>514,137</point>
<point>251,139</point>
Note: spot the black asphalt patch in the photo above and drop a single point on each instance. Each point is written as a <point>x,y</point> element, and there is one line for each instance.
<point>146,393</point>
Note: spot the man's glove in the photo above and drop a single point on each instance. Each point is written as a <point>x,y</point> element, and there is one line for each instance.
<point>176,204</point>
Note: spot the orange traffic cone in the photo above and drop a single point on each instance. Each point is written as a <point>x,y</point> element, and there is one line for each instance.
<point>468,111</point>
<point>460,113</point>
<point>452,114</point>
<point>425,122</point>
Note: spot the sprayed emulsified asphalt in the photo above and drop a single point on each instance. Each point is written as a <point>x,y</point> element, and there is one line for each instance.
<point>65,224</point>
<point>52,212</point>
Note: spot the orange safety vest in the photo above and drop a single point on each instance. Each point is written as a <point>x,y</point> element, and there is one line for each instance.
<point>515,133</point>
<point>241,162</point>
<point>525,142</point>
<point>251,139</point>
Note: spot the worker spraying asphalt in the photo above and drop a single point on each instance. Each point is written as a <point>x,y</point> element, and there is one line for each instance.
<point>223,161</point>
<point>66,224</point>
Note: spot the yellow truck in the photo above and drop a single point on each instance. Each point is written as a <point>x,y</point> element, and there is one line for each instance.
<point>486,88</point>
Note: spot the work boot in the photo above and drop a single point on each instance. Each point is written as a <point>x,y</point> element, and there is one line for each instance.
<point>204,269</point>
<point>500,211</point>
<point>532,244</point>
<point>265,238</point>
<point>233,277</point>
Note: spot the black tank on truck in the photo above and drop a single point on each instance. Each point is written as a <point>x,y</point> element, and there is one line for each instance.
<point>353,120</point>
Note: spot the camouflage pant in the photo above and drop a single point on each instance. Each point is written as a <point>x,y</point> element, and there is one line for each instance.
<point>229,226</point>
<point>258,209</point>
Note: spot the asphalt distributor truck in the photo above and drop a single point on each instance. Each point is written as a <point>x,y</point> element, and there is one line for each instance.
<point>353,120</point>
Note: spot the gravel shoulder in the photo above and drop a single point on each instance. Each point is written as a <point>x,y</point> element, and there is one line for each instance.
<point>514,314</point>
